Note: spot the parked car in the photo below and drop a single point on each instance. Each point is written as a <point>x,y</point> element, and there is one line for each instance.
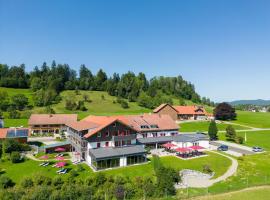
<point>257,149</point>
<point>223,148</point>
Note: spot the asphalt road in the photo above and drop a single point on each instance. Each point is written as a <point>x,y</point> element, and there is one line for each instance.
<point>235,149</point>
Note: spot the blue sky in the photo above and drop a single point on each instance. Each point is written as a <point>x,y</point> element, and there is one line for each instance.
<point>222,46</point>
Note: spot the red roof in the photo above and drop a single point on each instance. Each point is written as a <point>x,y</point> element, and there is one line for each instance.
<point>82,125</point>
<point>42,119</point>
<point>3,133</point>
<point>153,122</point>
<point>191,110</point>
<point>156,110</point>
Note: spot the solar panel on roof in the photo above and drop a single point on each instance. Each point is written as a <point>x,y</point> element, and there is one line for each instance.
<point>17,133</point>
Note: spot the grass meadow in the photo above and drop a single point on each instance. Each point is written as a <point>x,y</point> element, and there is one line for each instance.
<point>31,168</point>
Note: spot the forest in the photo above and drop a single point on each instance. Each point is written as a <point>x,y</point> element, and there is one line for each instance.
<point>48,81</point>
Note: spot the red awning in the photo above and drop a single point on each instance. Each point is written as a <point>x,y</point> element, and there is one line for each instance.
<point>183,150</point>
<point>196,147</point>
<point>168,145</point>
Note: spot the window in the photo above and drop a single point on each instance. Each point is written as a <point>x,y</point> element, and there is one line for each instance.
<point>98,145</point>
<point>107,134</point>
<point>154,134</point>
<point>154,126</point>
<point>144,135</point>
<point>107,144</point>
<point>99,134</point>
<point>114,124</point>
<point>144,127</point>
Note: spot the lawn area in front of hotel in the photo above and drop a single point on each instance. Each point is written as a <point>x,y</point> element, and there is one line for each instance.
<point>202,126</point>
<point>31,168</point>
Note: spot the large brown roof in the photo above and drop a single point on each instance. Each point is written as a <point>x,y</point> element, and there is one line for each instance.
<point>163,122</point>
<point>161,106</point>
<point>191,110</point>
<point>42,119</point>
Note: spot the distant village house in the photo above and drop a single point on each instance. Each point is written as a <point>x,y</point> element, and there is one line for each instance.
<point>178,113</point>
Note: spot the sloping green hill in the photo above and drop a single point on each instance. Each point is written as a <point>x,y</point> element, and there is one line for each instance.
<point>100,104</point>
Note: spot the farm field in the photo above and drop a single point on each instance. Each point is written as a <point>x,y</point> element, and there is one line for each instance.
<point>32,168</point>
<point>202,126</point>
<point>254,119</point>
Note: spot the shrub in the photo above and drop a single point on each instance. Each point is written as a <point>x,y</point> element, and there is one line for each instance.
<point>207,169</point>
<point>15,157</point>
<point>239,140</point>
<point>57,182</point>
<point>27,182</point>
<point>124,104</point>
<point>5,182</point>
<point>42,180</point>
<point>80,168</point>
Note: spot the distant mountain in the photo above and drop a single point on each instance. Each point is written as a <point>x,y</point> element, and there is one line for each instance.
<point>258,102</point>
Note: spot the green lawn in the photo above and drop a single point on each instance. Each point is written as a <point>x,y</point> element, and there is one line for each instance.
<point>258,120</point>
<point>15,122</point>
<point>254,138</point>
<point>215,161</point>
<point>99,106</point>
<point>218,164</point>
<point>261,193</point>
<point>13,91</point>
<point>252,171</point>
<point>202,126</point>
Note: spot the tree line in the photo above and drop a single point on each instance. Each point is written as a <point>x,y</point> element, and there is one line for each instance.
<point>48,81</point>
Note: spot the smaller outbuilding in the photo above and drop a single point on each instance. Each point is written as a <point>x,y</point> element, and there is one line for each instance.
<point>19,134</point>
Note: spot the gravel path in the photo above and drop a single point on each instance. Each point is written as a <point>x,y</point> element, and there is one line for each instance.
<point>202,182</point>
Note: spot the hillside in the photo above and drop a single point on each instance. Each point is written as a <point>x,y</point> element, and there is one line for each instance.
<point>96,106</point>
<point>258,102</point>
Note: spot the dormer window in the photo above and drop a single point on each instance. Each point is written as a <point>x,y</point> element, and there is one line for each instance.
<point>99,134</point>
<point>144,127</point>
<point>154,126</point>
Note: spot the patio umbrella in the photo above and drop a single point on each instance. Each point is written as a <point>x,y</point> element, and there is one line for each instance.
<point>168,145</point>
<point>60,149</point>
<point>60,164</point>
<point>45,157</point>
<point>182,150</point>
<point>60,158</point>
<point>196,147</point>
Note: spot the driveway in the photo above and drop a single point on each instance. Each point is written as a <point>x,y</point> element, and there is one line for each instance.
<point>45,140</point>
<point>237,148</point>
<point>204,182</point>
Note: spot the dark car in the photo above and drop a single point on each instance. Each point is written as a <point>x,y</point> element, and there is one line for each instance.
<point>257,149</point>
<point>223,148</point>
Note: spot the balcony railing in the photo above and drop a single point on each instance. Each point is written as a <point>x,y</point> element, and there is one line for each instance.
<point>124,138</point>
